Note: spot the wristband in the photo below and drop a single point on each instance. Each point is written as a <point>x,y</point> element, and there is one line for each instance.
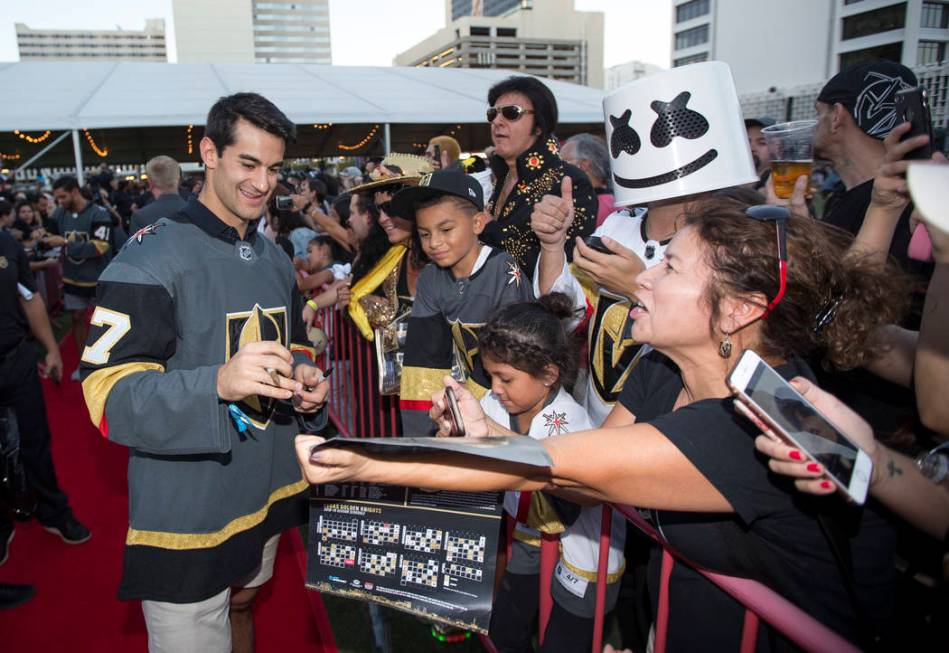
<point>312,304</point>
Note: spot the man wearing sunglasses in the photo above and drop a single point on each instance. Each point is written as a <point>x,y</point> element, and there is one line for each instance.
<point>527,165</point>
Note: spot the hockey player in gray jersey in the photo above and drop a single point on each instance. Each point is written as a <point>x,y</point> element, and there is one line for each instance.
<point>456,293</point>
<point>84,230</point>
<point>198,362</point>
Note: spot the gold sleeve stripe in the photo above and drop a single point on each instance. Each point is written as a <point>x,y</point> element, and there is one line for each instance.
<point>83,284</point>
<point>186,541</point>
<point>420,383</point>
<point>99,384</point>
<point>542,516</point>
<point>101,246</point>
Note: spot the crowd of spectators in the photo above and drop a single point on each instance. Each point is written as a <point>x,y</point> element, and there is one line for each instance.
<point>485,261</point>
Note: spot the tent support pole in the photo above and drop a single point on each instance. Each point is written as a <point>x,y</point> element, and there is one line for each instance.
<point>388,138</point>
<point>39,154</point>
<point>77,151</point>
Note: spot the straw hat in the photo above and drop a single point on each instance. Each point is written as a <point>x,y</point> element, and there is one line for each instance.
<point>396,169</point>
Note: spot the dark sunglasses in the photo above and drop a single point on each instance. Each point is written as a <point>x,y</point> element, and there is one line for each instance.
<point>385,206</point>
<point>510,112</point>
<point>780,216</point>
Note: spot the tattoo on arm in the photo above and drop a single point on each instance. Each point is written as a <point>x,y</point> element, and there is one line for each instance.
<point>893,469</point>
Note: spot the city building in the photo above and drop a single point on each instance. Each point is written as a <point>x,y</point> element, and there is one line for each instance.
<point>248,31</point>
<point>773,43</point>
<point>624,73</point>
<point>455,9</point>
<point>93,45</point>
<point>547,39</point>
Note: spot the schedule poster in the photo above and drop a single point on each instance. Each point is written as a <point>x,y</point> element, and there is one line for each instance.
<point>430,553</point>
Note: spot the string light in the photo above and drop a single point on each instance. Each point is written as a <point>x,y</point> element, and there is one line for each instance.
<point>362,143</point>
<point>10,157</point>
<point>33,139</point>
<point>190,142</point>
<point>452,132</point>
<point>325,125</point>
<point>101,151</point>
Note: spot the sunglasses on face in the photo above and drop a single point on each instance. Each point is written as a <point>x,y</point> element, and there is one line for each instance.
<point>780,216</point>
<point>509,112</point>
<point>385,206</point>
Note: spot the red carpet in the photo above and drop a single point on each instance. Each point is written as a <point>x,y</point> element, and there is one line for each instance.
<point>75,607</point>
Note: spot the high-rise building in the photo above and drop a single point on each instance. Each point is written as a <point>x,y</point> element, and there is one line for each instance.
<point>624,73</point>
<point>774,43</point>
<point>547,39</point>
<point>93,45</point>
<point>247,31</point>
<point>455,9</point>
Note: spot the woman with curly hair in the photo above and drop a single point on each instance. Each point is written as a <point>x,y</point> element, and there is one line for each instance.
<point>675,444</point>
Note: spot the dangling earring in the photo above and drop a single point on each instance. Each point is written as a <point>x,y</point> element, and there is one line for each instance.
<point>725,347</point>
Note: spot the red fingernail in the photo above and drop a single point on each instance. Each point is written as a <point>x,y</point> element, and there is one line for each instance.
<point>825,485</point>
<point>813,467</point>
<point>796,455</point>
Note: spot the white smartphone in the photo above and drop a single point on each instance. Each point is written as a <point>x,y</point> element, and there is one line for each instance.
<point>795,420</point>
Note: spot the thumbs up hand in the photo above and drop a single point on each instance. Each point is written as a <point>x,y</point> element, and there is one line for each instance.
<point>552,217</point>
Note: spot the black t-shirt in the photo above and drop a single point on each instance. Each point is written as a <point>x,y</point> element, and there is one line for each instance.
<point>773,536</point>
<point>888,407</point>
<point>14,268</point>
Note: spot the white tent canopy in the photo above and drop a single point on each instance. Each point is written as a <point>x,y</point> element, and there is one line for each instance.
<point>106,95</point>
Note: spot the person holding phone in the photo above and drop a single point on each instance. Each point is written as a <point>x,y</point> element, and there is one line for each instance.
<point>897,481</point>
<point>675,445</point>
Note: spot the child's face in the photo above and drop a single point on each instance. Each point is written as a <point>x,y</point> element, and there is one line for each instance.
<point>518,391</point>
<point>316,255</point>
<point>448,234</point>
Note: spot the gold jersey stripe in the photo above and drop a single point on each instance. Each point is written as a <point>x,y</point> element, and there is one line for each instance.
<point>187,541</point>
<point>420,383</point>
<point>307,350</point>
<point>98,385</point>
<point>591,575</point>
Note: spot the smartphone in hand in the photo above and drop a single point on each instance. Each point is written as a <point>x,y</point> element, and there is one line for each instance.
<point>454,414</point>
<point>912,106</point>
<point>595,243</point>
<point>796,422</point>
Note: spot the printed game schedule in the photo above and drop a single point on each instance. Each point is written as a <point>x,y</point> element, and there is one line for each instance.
<point>430,553</point>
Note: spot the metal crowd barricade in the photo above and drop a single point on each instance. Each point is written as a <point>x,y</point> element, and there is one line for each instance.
<point>358,410</point>
<point>355,406</point>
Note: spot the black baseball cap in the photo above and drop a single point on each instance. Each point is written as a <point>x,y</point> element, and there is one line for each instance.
<point>437,184</point>
<point>868,90</point>
<point>761,121</point>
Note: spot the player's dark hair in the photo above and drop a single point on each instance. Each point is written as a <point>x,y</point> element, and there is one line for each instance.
<point>529,336</point>
<point>252,107</point>
<point>545,105</point>
<point>67,182</point>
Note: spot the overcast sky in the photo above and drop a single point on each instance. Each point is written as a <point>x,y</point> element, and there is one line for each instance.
<point>634,29</point>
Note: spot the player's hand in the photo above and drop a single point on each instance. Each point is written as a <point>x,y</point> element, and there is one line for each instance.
<point>330,465</point>
<point>315,387</point>
<point>616,272</point>
<point>246,374</point>
<point>798,202</point>
<point>810,476</point>
<point>552,216</point>
<point>476,425</point>
<point>53,366</point>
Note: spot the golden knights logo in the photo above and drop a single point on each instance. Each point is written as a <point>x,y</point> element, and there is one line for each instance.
<point>612,348</point>
<point>73,236</point>
<point>465,337</point>
<point>257,325</point>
